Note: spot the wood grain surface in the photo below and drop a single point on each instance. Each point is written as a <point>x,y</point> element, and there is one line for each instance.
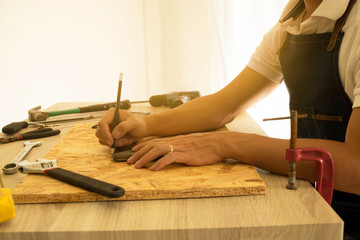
<point>278,214</point>
<point>79,151</point>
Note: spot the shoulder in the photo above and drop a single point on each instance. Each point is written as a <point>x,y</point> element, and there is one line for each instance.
<point>349,57</point>
<point>265,59</point>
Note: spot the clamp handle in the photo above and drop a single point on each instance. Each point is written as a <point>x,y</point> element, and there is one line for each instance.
<point>324,182</point>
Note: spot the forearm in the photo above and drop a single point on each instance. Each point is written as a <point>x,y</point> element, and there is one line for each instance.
<point>269,153</point>
<point>212,111</point>
<point>194,116</point>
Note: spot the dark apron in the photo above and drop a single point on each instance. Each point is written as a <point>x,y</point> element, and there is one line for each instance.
<point>310,67</point>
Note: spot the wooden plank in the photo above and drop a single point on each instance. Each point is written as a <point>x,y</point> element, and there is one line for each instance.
<point>79,151</point>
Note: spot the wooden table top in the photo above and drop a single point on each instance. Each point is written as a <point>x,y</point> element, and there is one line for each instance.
<point>279,214</point>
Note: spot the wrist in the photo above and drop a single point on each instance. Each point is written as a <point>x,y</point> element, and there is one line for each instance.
<point>236,145</point>
<point>148,124</point>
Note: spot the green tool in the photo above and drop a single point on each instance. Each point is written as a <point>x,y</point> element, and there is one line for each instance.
<point>36,115</point>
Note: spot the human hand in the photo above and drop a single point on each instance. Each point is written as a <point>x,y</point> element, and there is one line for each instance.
<point>131,128</point>
<point>192,149</point>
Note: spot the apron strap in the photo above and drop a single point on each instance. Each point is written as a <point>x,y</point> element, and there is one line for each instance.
<point>339,25</point>
<point>295,12</point>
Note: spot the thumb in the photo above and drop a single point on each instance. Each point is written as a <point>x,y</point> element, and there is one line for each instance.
<point>120,130</point>
<point>126,126</point>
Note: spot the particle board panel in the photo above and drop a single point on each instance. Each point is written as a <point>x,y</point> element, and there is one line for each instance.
<point>79,151</point>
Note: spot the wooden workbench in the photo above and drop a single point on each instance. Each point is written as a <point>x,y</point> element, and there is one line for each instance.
<point>279,214</point>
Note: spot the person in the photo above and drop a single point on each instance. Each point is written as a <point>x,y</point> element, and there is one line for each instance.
<point>315,49</point>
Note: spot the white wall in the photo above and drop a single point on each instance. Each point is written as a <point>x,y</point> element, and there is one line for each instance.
<point>73,50</point>
<point>260,15</point>
<point>58,51</point>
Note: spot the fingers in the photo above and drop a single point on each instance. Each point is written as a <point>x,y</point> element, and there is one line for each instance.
<point>147,154</point>
<point>103,129</point>
<point>127,131</point>
<point>107,133</point>
<point>164,153</point>
<point>123,142</point>
<point>186,149</point>
<point>166,160</point>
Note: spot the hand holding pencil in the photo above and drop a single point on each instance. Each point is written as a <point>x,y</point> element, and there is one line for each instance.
<point>120,127</point>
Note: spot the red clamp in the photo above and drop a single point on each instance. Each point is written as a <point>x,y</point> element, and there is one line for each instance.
<point>324,183</point>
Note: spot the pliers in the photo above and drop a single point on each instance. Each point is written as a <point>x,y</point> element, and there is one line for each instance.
<point>40,133</point>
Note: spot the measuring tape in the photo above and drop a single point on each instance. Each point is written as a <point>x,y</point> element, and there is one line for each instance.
<point>7,206</point>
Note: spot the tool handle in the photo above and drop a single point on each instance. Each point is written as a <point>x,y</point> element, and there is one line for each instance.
<point>63,112</point>
<point>97,107</point>
<point>14,127</point>
<point>88,183</point>
<point>41,133</point>
<point>102,107</point>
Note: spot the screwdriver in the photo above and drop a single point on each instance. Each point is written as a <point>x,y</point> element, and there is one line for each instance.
<point>17,126</point>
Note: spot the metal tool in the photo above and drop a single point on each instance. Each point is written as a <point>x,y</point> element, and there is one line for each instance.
<point>50,168</point>
<point>320,117</point>
<point>66,120</point>
<point>173,99</point>
<point>13,166</point>
<point>292,164</point>
<point>35,114</point>
<point>324,182</point>
<point>40,133</point>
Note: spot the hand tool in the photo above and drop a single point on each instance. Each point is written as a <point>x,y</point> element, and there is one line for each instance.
<point>69,119</point>
<point>40,133</point>
<point>16,126</point>
<point>7,206</point>
<point>320,117</point>
<point>293,138</point>
<point>173,99</point>
<point>117,103</point>
<point>50,168</point>
<point>13,166</point>
<point>324,182</point>
<point>35,114</point>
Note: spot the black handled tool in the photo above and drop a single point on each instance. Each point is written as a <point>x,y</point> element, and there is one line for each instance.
<point>40,133</point>
<point>50,168</point>
<point>173,99</point>
<point>88,183</point>
<point>14,127</point>
<point>17,126</point>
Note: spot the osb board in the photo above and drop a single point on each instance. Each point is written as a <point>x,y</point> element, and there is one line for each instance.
<point>79,151</point>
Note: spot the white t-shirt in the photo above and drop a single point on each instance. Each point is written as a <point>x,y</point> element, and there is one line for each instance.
<point>266,61</point>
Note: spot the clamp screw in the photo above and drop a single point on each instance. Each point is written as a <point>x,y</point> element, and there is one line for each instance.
<point>292,165</point>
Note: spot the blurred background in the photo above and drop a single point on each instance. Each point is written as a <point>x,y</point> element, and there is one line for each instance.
<point>74,50</point>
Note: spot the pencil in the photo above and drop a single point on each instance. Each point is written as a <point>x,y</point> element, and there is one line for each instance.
<point>118,103</point>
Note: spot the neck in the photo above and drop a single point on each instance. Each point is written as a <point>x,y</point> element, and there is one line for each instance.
<point>311,6</point>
